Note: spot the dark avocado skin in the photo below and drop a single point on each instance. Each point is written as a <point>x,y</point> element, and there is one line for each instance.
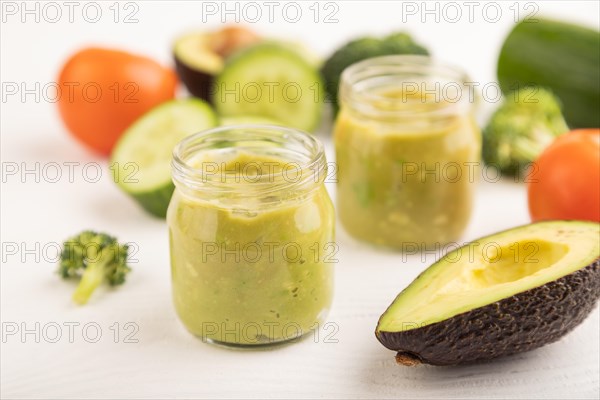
<point>198,83</point>
<point>519,323</point>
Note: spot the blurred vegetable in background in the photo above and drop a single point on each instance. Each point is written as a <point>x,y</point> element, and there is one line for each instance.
<point>141,160</point>
<point>565,181</point>
<point>200,56</point>
<point>103,91</point>
<point>251,79</point>
<point>247,119</point>
<point>271,80</point>
<point>564,58</point>
<point>361,49</point>
<point>521,128</point>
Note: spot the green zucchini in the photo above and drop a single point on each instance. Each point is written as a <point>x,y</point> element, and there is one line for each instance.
<point>562,57</point>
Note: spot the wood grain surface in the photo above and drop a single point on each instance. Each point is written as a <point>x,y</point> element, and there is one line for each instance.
<point>153,356</point>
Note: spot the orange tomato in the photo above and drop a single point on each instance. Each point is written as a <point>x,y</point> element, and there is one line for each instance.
<point>565,181</point>
<point>102,91</point>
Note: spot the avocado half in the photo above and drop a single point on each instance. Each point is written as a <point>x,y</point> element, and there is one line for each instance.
<point>503,294</point>
<point>197,63</point>
<point>200,56</point>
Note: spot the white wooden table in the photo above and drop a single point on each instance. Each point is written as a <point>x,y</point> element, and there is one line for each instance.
<point>129,343</point>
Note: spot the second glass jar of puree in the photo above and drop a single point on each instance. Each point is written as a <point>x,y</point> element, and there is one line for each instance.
<point>250,227</point>
<point>407,151</point>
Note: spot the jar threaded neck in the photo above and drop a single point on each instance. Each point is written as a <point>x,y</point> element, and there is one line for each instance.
<point>298,165</point>
<point>406,86</point>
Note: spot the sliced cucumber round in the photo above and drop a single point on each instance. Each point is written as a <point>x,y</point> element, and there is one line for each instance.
<point>247,119</point>
<point>272,81</point>
<point>141,159</point>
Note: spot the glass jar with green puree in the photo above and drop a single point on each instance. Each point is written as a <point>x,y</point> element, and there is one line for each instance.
<point>251,227</point>
<point>407,151</point>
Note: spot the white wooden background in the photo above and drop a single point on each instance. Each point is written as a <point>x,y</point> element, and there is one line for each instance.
<point>167,362</point>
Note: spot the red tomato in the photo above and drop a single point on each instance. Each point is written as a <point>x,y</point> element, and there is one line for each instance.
<point>103,91</point>
<point>565,182</point>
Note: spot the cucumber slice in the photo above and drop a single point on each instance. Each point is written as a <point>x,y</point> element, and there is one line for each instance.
<point>271,81</point>
<point>247,119</point>
<point>141,159</point>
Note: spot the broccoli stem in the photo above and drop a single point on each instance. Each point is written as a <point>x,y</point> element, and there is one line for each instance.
<point>90,280</point>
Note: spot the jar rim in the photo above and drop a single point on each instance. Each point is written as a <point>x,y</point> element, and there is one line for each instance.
<point>308,169</point>
<point>425,67</point>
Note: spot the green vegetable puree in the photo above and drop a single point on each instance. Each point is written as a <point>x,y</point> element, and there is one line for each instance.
<point>252,271</point>
<point>407,182</point>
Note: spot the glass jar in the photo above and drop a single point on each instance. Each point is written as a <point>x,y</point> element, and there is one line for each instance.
<point>251,230</point>
<point>407,151</point>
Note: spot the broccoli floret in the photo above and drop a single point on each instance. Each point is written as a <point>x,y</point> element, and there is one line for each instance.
<point>523,126</point>
<point>93,258</point>
<point>361,49</point>
<point>401,43</point>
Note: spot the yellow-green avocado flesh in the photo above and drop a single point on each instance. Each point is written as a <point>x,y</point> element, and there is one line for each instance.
<point>501,294</point>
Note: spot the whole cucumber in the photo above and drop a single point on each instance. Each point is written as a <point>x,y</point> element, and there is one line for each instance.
<point>562,57</point>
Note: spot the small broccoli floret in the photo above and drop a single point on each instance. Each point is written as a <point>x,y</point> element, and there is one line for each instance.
<point>525,124</point>
<point>93,258</point>
<point>361,49</point>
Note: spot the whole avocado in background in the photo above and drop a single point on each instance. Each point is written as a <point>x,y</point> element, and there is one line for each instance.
<point>361,49</point>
